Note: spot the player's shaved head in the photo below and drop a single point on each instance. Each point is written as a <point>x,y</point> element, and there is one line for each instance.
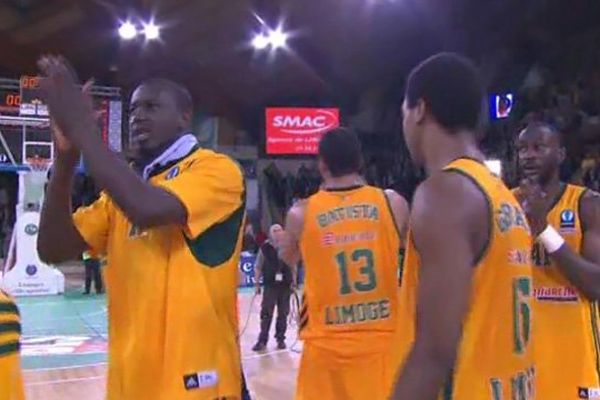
<point>180,94</point>
<point>548,131</point>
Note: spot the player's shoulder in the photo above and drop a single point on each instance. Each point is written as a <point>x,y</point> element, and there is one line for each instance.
<point>453,193</point>
<point>210,159</point>
<point>589,204</point>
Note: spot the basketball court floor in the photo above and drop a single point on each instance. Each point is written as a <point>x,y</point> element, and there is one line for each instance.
<point>65,343</point>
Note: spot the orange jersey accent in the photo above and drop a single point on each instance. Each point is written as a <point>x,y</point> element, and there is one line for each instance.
<point>172,290</point>
<point>566,324</point>
<point>11,380</point>
<point>350,247</point>
<point>495,356</point>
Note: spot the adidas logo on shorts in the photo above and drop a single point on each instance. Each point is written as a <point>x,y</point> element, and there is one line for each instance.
<point>588,393</point>
<point>200,380</point>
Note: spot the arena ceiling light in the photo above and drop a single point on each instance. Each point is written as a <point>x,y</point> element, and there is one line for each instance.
<point>151,31</point>
<point>260,41</point>
<point>127,31</point>
<point>278,38</point>
<point>271,38</point>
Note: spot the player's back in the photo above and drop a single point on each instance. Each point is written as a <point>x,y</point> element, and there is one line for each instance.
<point>494,358</point>
<point>350,247</point>
<point>11,383</point>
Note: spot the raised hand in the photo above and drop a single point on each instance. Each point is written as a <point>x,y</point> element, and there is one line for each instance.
<point>70,108</point>
<point>534,202</point>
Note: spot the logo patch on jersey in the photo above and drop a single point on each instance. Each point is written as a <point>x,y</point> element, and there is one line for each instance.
<point>331,239</point>
<point>519,257</point>
<point>172,173</point>
<point>562,294</point>
<point>200,380</point>
<point>588,393</point>
<point>567,221</point>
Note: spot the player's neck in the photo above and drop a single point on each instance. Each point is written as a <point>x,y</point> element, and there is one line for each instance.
<point>552,187</point>
<point>446,148</point>
<point>345,181</point>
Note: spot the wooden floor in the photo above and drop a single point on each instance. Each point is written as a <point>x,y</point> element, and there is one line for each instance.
<point>271,375</point>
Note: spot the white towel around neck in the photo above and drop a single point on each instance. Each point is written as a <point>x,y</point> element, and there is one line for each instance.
<point>182,147</point>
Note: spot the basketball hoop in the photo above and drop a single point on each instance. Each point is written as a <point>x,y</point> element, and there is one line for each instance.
<point>35,181</point>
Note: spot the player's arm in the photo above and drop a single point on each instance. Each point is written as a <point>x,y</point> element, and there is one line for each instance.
<point>584,271</point>
<point>449,221</point>
<point>56,219</point>
<point>144,205</point>
<point>289,251</point>
<point>400,211</point>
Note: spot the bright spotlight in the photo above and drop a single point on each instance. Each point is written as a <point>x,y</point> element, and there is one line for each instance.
<point>127,30</point>
<point>151,31</point>
<point>278,38</point>
<point>260,41</point>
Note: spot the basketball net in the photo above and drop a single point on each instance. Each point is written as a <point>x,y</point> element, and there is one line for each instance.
<point>35,182</point>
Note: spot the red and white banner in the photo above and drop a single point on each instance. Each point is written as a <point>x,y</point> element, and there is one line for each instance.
<point>298,130</point>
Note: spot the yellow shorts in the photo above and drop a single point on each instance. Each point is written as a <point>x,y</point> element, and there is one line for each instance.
<point>11,381</point>
<point>326,377</point>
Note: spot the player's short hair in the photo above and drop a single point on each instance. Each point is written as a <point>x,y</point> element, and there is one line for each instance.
<point>180,94</point>
<point>452,89</point>
<point>545,126</point>
<point>341,152</point>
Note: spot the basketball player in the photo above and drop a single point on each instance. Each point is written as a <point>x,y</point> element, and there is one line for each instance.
<point>11,381</point>
<point>567,269</point>
<point>172,230</point>
<point>465,313</point>
<point>348,235</point>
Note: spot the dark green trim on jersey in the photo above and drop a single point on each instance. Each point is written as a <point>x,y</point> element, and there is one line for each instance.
<point>8,308</point>
<point>389,207</point>
<point>344,189</point>
<point>10,327</point>
<point>217,244</point>
<point>559,195</point>
<point>581,221</point>
<point>9,348</point>
<point>448,389</point>
<point>490,208</point>
<point>595,333</point>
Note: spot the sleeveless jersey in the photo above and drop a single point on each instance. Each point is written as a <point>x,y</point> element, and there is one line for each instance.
<point>565,319</point>
<point>350,247</point>
<point>11,381</point>
<point>494,357</point>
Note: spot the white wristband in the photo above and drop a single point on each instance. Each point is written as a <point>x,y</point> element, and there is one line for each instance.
<point>551,239</point>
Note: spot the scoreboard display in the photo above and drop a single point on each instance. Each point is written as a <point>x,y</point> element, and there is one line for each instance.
<point>21,100</point>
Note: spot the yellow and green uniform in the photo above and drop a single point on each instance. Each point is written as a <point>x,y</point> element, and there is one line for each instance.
<point>495,359</point>
<point>172,289</point>
<point>566,323</point>
<point>350,248</point>
<point>11,380</point>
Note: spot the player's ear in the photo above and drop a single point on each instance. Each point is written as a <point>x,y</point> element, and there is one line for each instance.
<point>185,118</point>
<point>562,154</point>
<point>420,110</point>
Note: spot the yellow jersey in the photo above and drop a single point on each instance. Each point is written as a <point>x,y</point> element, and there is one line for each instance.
<point>172,290</point>
<point>494,357</point>
<point>350,247</point>
<point>565,319</point>
<point>11,380</point>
